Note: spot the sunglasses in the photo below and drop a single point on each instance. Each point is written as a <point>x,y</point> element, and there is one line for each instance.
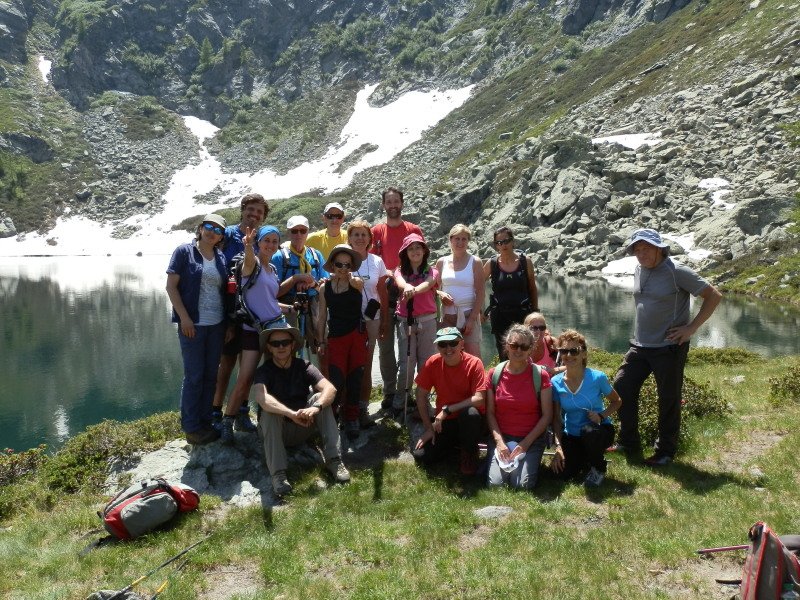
<point>339,265</point>
<point>503,242</point>
<point>515,346</point>
<point>296,231</point>
<point>450,344</point>
<point>333,216</point>
<point>538,327</point>
<point>280,343</point>
<point>215,228</point>
<point>571,351</point>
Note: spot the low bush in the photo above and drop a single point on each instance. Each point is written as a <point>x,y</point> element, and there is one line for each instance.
<point>723,356</point>
<point>785,387</point>
<point>700,400</point>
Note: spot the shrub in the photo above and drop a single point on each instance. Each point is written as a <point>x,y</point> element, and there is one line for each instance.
<point>723,356</point>
<point>15,466</point>
<point>785,387</point>
<point>699,401</point>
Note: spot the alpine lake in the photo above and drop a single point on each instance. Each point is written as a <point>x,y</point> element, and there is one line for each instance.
<point>89,338</point>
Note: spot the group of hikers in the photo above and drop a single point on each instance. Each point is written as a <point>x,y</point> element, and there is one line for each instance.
<point>242,294</point>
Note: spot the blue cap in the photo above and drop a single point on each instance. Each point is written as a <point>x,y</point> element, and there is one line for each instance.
<point>651,236</point>
<point>448,334</point>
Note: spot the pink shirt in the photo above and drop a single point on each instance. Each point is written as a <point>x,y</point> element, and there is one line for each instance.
<point>516,406</point>
<point>424,303</point>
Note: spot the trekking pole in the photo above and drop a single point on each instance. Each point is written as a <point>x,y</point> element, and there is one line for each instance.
<point>128,588</point>
<point>409,374</point>
<point>723,549</point>
<point>164,584</point>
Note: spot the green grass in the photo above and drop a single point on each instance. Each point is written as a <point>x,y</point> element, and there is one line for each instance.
<point>399,532</point>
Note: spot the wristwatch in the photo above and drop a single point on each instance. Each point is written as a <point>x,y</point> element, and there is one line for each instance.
<point>446,409</point>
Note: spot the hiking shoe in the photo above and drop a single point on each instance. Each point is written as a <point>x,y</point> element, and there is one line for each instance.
<point>243,422</point>
<point>352,430</point>
<point>364,420</point>
<point>203,436</point>
<point>226,432</point>
<point>468,463</point>
<point>336,468</point>
<point>658,460</point>
<point>216,419</point>
<point>387,402</point>
<point>594,478</point>
<point>280,484</point>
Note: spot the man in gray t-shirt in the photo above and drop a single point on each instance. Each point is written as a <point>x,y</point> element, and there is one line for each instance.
<point>660,343</point>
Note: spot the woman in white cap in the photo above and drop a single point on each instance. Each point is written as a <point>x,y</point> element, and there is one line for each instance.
<point>196,280</point>
<point>519,409</point>
<point>346,343</point>
<point>461,288</point>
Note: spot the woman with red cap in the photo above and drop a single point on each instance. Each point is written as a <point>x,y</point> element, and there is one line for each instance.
<point>416,312</point>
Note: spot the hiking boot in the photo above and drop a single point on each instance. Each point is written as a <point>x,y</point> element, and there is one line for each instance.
<point>216,419</point>
<point>364,420</point>
<point>203,436</point>
<point>594,478</point>
<point>280,484</point>
<point>658,460</point>
<point>352,430</point>
<point>243,422</point>
<point>226,432</point>
<point>336,468</point>
<point>386,403</point>
<point>468,463</point>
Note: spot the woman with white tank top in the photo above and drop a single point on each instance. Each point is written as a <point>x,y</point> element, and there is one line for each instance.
<point>461,285</point>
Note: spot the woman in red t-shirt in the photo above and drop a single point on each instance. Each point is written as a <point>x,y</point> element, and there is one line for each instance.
<point>517,416</point>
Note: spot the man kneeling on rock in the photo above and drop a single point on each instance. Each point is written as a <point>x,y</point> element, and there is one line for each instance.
<point>290,412</point>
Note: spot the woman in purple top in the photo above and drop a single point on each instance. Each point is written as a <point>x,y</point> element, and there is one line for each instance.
<point>261,298</point>
<point>196,277</point>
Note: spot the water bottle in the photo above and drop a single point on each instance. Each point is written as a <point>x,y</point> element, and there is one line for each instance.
<point>231,285</point>
<point>789,592</point>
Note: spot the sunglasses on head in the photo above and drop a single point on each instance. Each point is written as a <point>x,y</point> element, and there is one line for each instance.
<point>340,265</point>
<point>516,346</point>
<point>538,327</point>
<point>450,344</point>
<point>296,231</point>
<point>215,228</point>
<point>503,242</point>
<point>280,343</point>
<point>334,216</point>
<point>571,351</point>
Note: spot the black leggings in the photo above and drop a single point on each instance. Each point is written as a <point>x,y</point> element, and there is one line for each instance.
<point>585,451</point>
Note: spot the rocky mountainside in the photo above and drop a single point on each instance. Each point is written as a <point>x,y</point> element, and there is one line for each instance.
<point>713,81</point>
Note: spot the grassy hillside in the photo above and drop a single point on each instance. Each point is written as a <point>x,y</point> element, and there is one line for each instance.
<point>398,532</point>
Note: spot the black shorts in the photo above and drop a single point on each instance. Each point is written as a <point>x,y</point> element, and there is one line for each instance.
<point>234,346</point>
<point>249,340</point>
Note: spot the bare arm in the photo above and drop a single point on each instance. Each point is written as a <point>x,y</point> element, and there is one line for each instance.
<point>711,299</point>
<point>478,282</point>
<point>494,428</point>
<point>558,429</point>
<point>250,259</point>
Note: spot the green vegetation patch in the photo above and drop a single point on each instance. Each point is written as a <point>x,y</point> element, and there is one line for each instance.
<point>786,386</point>
<point>143,117</point>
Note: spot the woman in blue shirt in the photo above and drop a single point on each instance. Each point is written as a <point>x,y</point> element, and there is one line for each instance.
<point>581,421</point>
<point>196,279</point>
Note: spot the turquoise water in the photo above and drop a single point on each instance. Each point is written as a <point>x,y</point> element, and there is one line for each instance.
<point>75,355</point>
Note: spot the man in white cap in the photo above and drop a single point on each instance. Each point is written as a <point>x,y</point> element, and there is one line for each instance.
<point>324,240</point>
<point>304,266</point>
<point>660,343</point>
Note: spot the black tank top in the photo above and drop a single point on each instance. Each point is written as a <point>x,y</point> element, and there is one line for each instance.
<point>510,290</point>
<point>344,310</point>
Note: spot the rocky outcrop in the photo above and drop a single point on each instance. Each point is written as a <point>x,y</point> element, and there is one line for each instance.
<point>13,30</point>
<point>32,147</point>
<point>7,228</point>
<point>581,13</point>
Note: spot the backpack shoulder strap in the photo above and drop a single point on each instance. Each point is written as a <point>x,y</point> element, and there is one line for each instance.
<point>498,372</point>
<point>536,370</point>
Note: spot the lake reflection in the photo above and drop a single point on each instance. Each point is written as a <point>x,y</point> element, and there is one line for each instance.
<point>87,339</point>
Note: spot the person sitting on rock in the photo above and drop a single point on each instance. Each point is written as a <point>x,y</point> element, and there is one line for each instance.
<point>290,412</point>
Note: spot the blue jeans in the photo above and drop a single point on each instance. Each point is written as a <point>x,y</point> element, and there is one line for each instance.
<point>527,473</point>
<point>200,363</point>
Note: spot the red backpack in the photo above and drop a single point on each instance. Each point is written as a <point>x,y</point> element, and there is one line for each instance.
<point>145,505</point>
<point>769,566</point>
